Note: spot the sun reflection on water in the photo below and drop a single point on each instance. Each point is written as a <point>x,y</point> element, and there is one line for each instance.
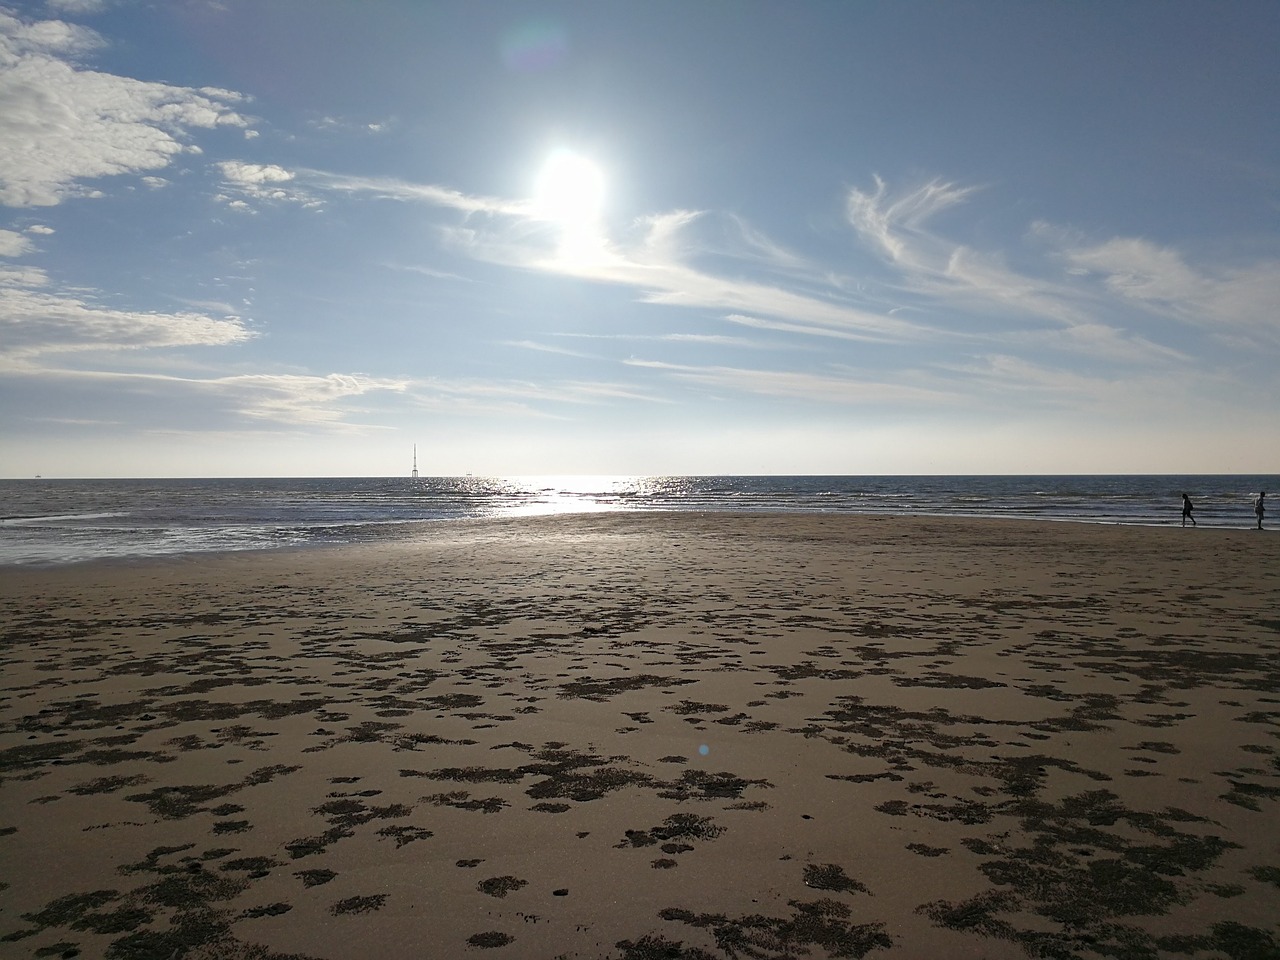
<point>544,495</point>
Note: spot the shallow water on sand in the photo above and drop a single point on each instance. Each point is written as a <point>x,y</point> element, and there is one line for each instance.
<point>61,521</point>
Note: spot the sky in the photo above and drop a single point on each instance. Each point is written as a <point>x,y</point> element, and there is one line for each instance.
<point>300,237</point>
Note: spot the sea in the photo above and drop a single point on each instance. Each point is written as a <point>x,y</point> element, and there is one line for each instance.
<point>54,521</point>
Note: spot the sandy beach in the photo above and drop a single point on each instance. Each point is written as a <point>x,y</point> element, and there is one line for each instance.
<point>645,736</point>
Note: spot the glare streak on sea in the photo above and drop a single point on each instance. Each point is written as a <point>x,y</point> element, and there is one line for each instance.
<point>66,521</point>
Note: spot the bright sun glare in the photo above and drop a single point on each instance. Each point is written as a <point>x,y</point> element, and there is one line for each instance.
<point>569,190</point>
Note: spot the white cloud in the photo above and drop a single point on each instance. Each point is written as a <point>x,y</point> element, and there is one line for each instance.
<point>22,276</point>
<point>261,182</point>
<point>14,244</point>
<point>41,229</point>
<point>254,174</point>
<point>61,124</point>
<point>20,38</point>
<point>34,323</point>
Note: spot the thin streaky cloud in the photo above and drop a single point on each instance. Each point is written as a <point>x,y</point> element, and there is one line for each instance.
<point>768,252</point>
<point>759,323</point>
<point>510,395</point>
<point>654,266</point>
<point>1004,376</point>
<point>709,339</point>
<point>1078,307</point>
<point>944,272</point>
<point>429,272</point>
<point>1159,279</point>
<point>1099,341</point>
<point>388,188</point>
<point>280,399</point>
<point>543,348</point>
<point>888,222</point>
<point>798,385</point>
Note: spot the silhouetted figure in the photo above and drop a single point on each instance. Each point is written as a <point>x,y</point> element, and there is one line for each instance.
<point>1186,511</point>
<point>1259,507</point>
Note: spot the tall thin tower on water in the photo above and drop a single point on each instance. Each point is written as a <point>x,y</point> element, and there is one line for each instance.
<point>414,474</point>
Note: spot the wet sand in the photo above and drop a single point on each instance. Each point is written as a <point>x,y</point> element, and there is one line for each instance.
<point>651,735</point>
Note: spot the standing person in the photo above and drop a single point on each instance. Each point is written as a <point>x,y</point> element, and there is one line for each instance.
<point>1259,507</point>
<point>1186,511</point>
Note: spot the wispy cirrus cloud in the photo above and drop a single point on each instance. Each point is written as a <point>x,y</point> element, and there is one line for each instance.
<point>895,224</point>
<point>707,339</point>
<point>78,8</point>
<point>523,398</point>
<point>300,399</point>
<point>935,290</point>
<point>657,260</point>
<point>388,188</point>
<point>1083,298</point>
<point>852,389</point>
<point>810,330</point>
<point>265,401</point>
<point>1232,301</point>
<point>42,329</point>
<point>62,124</point>
<point>1004,380</point>
<point>537,347</point>
<point>946,273</point>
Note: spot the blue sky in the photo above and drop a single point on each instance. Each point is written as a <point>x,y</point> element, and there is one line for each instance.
<point>296,237</point>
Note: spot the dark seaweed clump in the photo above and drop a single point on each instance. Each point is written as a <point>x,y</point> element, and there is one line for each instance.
<point>819,923</point>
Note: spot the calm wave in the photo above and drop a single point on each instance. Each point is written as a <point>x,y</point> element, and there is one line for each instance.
<point>59,521</point>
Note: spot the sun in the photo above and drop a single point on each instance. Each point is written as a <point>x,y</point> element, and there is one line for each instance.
<point>569,191</point>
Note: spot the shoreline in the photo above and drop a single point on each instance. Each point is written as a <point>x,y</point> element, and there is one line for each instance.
<point>391,532</point>
<point>593,735</point>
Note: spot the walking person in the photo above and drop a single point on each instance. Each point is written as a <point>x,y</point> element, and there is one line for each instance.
<point>1259,508</point>
<point>1186,511</point>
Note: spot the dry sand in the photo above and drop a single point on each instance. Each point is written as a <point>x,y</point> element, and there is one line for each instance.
<point>651,735</point>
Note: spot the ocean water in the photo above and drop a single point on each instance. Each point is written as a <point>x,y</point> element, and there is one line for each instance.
<point>67,521</point>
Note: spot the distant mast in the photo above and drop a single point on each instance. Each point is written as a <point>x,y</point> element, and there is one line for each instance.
<point>414,474</point>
